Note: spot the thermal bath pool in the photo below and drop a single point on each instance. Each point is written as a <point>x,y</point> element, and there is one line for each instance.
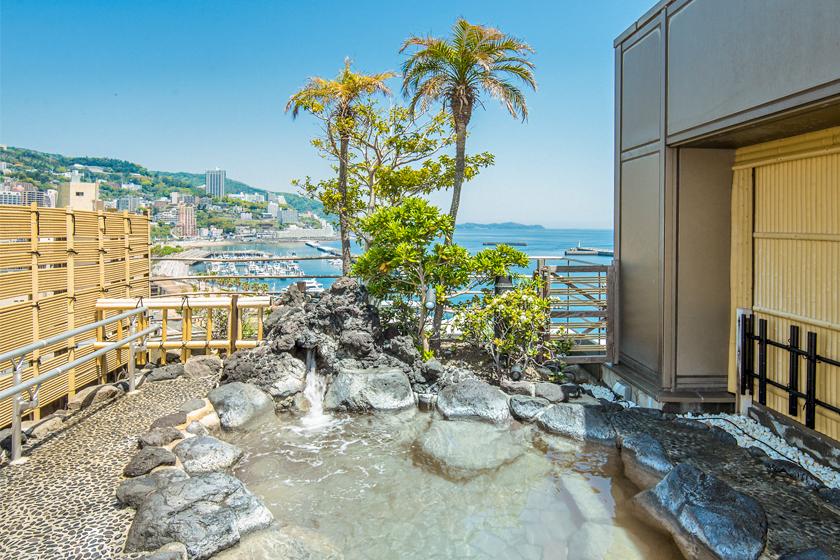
<point>364,484</point>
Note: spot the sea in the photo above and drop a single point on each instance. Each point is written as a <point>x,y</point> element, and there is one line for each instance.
<point>536,242</point>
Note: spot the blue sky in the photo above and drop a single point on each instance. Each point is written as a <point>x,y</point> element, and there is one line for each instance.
<point>185,85</point>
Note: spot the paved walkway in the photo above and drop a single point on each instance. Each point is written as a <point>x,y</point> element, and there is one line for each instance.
<point>60,504</point>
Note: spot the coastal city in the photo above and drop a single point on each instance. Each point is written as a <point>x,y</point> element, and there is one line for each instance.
<point>182,215</point>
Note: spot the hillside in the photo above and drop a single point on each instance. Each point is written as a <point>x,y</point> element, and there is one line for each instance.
<point>47,170</point>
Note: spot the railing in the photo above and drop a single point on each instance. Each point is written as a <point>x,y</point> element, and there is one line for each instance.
<point>210,278</point>
<point>748,376</point>
<point>194,322</point>
<point>582,307</point>
<point>33,385</point>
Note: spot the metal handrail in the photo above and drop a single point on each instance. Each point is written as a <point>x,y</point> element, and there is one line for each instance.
<point>44,342</point>
<point>39,380</point>
<point>17,358</point>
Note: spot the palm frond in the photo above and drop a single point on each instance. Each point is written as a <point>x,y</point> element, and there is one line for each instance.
<point>457,69</point>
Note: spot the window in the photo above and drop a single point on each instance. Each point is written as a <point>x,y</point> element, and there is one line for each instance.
<point>80,193</point>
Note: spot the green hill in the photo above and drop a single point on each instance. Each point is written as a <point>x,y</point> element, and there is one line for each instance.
<point>46,171</point>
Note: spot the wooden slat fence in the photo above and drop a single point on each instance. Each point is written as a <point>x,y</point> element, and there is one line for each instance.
<point>582,308</point>
<point>54,264</point>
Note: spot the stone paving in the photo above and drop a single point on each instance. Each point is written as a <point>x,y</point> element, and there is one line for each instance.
<point>60,504</point>
<point>797,517</point>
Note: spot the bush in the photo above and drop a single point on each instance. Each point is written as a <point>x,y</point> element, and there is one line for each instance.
<point>510,327</point>
<point>406,262</point>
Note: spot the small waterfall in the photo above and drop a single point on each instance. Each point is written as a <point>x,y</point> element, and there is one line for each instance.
<point>316,386</point>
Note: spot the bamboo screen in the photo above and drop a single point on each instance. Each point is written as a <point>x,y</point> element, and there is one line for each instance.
<point>54,264</point>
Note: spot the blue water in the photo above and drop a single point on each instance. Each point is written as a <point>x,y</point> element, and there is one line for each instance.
<point>539,242</point>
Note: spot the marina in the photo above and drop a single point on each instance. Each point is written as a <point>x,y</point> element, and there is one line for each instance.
<point>589,252</point>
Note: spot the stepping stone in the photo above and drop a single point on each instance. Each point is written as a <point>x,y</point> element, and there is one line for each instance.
<point>93,395</point>
<point>160,437</point>
<point>147,459</point>
<point>174,419</point>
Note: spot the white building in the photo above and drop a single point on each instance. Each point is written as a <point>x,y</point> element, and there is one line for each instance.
<point>273,209</point>
<point>215,182</point>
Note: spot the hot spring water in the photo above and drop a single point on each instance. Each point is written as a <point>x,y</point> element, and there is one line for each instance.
<point>357,482</point>
<point>316,386</point>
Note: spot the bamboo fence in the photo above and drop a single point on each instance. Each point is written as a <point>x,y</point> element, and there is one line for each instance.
<point>54,265</point>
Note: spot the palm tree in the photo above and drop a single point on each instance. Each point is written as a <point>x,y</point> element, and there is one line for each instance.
<point>456,71</point>
<point>334,102</point>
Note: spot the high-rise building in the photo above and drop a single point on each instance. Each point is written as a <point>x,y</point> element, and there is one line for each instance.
<point>10,197</point>
<point>186,220</point>
<point>215,182</point>
<point>273,209</point>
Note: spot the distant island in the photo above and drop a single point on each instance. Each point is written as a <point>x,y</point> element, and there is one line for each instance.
<point>501,225</point>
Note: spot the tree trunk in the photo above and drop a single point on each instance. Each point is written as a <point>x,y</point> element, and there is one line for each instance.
<point>462,119</point>
<point>461,122</point>
<point>342,211</point>
<point>421,321</point>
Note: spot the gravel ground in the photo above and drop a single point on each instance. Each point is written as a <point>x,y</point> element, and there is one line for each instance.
<point>750,433</point>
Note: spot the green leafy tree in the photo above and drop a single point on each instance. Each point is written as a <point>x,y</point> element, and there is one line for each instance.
<point>393,154</point>
<point>335,103</point>
<point>510,327</point>
<point>407,262</point>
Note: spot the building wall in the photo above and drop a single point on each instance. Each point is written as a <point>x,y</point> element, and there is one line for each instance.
<point>704,74</point>
<point>78,196</point>
<point>724,57</point>
<point>640,252</point>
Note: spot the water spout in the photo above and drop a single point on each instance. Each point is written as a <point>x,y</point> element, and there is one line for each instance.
<point>316,386</point>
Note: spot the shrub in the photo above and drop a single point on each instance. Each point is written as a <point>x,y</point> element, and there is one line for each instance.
<point>510,327</point>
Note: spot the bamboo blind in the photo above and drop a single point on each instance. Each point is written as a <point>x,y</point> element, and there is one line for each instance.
<point>54,264</point>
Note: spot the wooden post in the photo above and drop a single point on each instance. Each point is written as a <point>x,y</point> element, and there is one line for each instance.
<point>611,292</point>
<point>127,251</point>
<point>102,361</point>
<point>71,296</point>
<point>163,329</point>
<point>208,335</point>
<point>34,232</point>
<point>233,330</point>
<point>186,332</point>
<point>811,382</point>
